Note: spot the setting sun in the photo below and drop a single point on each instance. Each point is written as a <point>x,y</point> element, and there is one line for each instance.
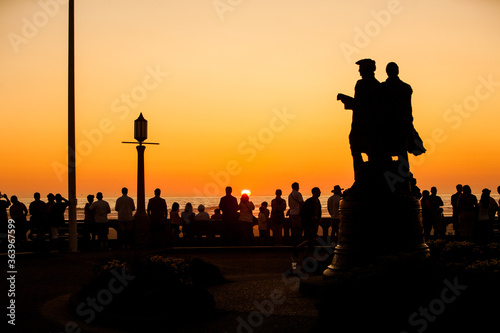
<point>247,192</point>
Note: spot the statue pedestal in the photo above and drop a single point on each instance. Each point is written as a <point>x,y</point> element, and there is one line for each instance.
<point>375,222</point>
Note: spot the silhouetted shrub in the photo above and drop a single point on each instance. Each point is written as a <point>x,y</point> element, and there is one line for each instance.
<point>149,291</point>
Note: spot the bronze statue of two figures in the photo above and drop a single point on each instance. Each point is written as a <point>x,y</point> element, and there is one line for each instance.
<point>382,128</point>
<point>380,214</point>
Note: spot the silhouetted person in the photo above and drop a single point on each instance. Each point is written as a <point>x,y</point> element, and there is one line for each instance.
<point>38,215</point>
<point>467,213</point>
<point>158,216</point>
<point>486,214</point>
<point>51,200</point>
<point>125,206</point>
<point>333,206</point>
<point>202,215</point>
<point>187,222</point>
<point>201,222</point>
<point>454,205</point>
<point>278,207</point>
<point>311,215</point>
<point>175,220</point>
<point>18,212</point>
<point>364,106</point>
<point>217,215</point>
<point>229,207</point>
<point>436,205</point>
<point>428,218</point>
<point>4,219</point>
<point>101,209</point>
<point>498,190</point>
<point>245,220</point>
<point>295,202</point>
<point>89,228</point>
<point>4,204</point>
<point>264,223</point>
<point>58,220</point>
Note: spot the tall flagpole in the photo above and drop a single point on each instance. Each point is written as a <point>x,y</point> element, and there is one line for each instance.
<point>73,244</point>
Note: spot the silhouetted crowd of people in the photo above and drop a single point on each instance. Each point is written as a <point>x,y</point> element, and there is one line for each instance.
<point>304,218</point>
<point>233,220</point>
<point>294,221</point>
<point>46,218</point>
<point>472,219</point>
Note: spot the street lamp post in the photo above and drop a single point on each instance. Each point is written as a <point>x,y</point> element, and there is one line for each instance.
<point>73,243</point>
<point>141,220</point>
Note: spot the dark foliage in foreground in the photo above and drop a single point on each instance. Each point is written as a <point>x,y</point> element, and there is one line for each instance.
<point>156,292</point>
<point>456,290</point>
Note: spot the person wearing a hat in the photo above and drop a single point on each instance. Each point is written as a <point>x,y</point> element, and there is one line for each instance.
<point>364,108</point>
<point>333,208</point>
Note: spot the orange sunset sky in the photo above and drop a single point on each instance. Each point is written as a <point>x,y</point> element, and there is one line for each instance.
<point>240,92</point>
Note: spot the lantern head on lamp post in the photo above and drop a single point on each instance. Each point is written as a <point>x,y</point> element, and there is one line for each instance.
<point>140,129</point>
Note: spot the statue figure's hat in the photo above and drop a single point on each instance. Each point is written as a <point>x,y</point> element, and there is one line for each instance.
<point>367,63</point>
